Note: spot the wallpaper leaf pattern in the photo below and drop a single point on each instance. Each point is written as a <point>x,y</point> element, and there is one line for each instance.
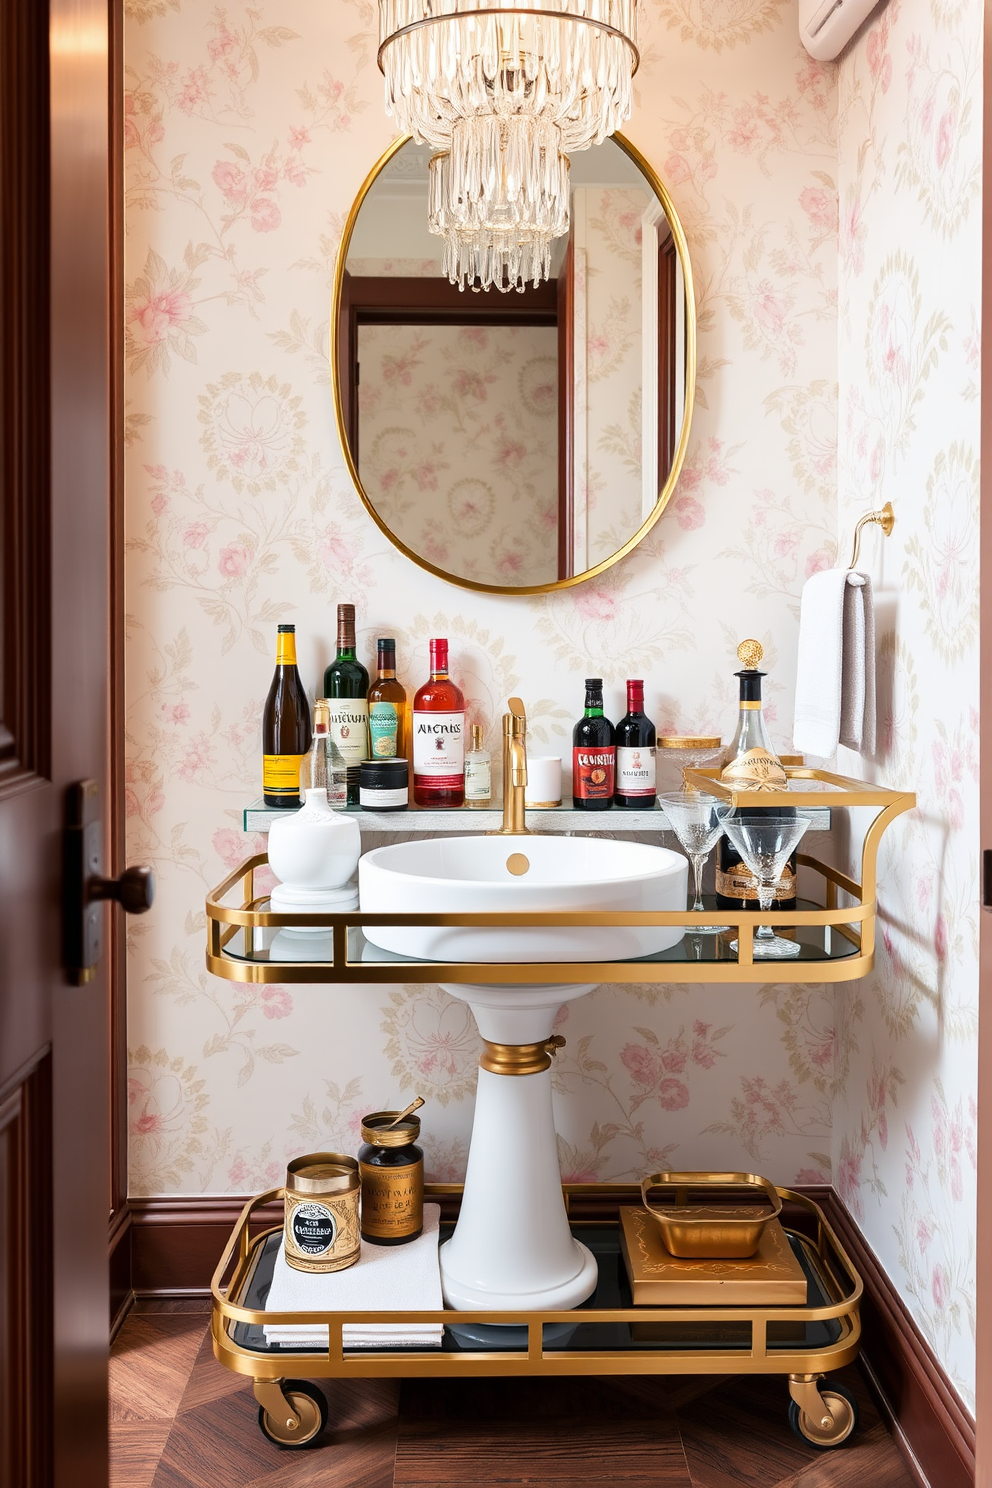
<point>249,130</point>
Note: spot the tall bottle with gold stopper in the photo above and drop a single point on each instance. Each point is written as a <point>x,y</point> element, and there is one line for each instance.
<point>751,764</point>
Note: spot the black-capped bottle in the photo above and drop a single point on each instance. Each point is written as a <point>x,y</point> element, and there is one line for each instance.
<point>751,764</point>
<point>636,783</point>
<point>286,731</point>
<point>593,754</point>
<point>346,688</point>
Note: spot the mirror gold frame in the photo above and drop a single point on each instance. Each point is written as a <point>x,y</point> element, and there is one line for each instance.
<point>667,490</point>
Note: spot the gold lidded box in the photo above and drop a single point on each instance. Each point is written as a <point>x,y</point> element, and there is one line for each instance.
<point>321,1225</point>
<point>711,1229</point>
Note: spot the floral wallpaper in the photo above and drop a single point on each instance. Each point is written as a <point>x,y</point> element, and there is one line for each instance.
<point>606,233</point>
<point>458,445</point>
<point>250,128</point>
<point>910,268</point>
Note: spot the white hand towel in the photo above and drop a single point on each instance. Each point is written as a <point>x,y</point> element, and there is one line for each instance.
<point>387,1278</point>
<point>835,674</point>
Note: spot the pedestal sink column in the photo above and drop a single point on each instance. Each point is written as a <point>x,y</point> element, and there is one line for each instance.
<point>512,1247</point>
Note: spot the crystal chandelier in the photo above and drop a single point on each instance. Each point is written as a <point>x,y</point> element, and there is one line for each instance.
<point>505,91</point>
<point>567,61</point>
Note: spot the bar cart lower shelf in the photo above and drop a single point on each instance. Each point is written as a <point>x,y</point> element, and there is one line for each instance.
<point>607,1335</point>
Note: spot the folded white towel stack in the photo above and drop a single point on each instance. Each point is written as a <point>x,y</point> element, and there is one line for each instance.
<point>835,675</point>
<point>387,1278</point>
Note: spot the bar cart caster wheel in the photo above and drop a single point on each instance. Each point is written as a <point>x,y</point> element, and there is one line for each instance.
<point>291,1413</point>
<point>811,1425</point>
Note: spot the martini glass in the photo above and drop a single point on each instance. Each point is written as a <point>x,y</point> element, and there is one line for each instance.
<point>766,843</point>
<point>697,821</point>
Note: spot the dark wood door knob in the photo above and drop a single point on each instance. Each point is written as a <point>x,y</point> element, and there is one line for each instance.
<point>134,890</point>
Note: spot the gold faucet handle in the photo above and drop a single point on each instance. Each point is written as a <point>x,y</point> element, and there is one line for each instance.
<point>517,717</point>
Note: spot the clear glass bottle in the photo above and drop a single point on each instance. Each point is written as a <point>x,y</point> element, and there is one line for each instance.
<point>478,772</point>
<point>751,764</point>
<point>324,765</point>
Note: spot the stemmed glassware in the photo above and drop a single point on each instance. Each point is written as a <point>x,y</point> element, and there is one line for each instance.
<point>697,821</point>
<point>766,843</point>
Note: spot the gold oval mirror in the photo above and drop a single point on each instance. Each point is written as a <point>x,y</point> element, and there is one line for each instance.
<point>516,442</point>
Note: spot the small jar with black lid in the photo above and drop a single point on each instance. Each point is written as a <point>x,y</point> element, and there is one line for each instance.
<point>391,1166</point>
<point>384,785</point>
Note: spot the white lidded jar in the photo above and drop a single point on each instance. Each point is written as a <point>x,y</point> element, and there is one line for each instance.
<point>314,853</point>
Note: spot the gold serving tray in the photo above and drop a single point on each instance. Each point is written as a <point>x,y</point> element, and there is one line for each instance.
<point>232,925</point>
<point>710,1231</point>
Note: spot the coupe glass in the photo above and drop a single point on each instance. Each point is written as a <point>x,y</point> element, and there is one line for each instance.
<point>697,821</point>
<point>766,843</point>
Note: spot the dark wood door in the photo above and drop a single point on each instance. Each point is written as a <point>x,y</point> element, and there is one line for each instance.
<point>55,422</point>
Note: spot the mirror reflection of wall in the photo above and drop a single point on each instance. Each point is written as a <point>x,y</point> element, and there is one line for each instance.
<point>513,440</point>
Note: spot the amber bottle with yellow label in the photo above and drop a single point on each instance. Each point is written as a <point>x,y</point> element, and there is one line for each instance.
<point>286,732</point>
<point>391,1166</point>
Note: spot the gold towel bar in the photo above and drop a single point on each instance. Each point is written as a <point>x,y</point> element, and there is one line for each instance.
<point>885,518</point>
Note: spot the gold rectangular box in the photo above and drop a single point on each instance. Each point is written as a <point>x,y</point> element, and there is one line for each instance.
<point>772,1277</point>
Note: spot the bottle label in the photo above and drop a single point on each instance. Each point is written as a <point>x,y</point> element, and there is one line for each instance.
<point>478,778</point>
<point>439,748</point>
<point>392,1200</point>
<point>378,799</point>
<point>736,882</point>
<point>636,770</point>
<point>756,770</point>
<point>281,774</point>
<point>314,1229</point>
<point>593,773</point>
<point>349,728</point>
<point>383,724</point>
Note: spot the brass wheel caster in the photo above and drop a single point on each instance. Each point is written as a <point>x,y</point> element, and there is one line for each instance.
<point>821,1413</point>
<point>291,1413</point>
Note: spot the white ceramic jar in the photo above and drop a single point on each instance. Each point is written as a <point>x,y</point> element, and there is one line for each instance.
<point>314,852</point>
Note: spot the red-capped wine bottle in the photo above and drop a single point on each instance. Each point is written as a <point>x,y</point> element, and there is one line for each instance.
<point>593,754</point>
<point>286,729</point>
<point>636,786</point>
<point>439,736</point>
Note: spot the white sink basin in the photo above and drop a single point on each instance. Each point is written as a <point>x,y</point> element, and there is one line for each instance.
<point>482,875</point>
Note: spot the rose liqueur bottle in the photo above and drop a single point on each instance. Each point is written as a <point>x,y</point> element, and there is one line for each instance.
<point>593,754</point>
<point>636,786</point>
<point>346,688</point>
<point>387,707</point>
<point>285,727</point>
<point>751,764</point>
<point>439,736</point>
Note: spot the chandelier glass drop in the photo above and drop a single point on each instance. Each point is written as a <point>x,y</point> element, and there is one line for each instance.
<point>506,90</point>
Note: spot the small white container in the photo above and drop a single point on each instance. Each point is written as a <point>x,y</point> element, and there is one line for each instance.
<point>313,853</point>
<point>543,786</point>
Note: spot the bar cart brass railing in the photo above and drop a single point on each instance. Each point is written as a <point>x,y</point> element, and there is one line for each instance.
<point>234,930</point>
<point>825,1333</point>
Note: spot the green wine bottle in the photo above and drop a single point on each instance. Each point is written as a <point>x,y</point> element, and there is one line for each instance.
<point>346,686</point>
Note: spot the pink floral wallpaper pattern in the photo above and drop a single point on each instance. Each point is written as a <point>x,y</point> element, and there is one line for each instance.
<point>910,267</point>
<point>249,129</point>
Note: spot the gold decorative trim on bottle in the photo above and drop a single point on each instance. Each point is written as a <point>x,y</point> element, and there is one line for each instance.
<point>757,770</point>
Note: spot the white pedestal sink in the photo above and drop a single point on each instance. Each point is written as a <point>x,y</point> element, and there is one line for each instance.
<point>512,1247</point>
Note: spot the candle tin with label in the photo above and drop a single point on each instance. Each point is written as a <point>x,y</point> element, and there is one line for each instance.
<point>384,785</point>
<point>392,1171</point>
<point>322,1212</point>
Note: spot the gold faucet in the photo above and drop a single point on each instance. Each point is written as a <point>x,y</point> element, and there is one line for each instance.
<point>514,771</point>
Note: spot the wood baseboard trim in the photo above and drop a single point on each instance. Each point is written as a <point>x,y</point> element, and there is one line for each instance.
<point>173,1245</point>
<point>930,1423</point>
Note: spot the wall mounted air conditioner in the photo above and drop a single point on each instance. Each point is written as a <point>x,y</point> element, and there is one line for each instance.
<point>826,26</point>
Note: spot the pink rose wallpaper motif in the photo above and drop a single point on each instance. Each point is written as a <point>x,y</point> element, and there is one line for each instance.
<point>832,220</point>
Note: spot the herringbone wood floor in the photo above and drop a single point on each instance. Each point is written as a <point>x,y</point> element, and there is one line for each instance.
<point>180,1420</point>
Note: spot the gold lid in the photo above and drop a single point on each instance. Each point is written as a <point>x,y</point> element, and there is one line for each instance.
<point>749,654</point>
<point>374,1124</point>
<point>689,741</point>
<point>322,1173</point>
<point>322,714</point>
<point>477,736</point>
